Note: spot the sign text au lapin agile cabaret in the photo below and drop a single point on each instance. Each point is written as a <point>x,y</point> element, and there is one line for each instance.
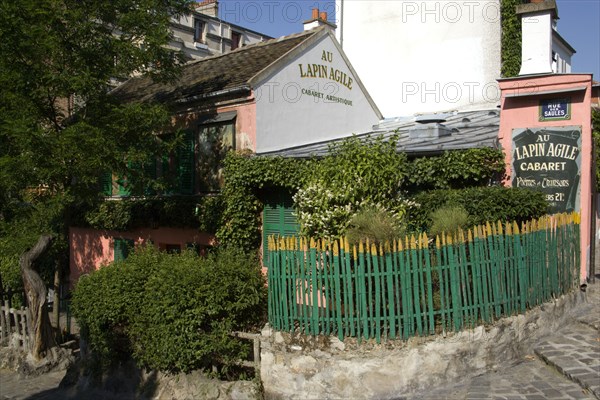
<point>549,159</point>
<point>332,75</point>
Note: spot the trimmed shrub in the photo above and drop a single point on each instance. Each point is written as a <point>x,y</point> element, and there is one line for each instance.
<point>448,219</point>
<point>172,312</point>
<point>376,224</point>
<point>482,204</point>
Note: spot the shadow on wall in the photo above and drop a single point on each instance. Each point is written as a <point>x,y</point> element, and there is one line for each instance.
<point>87,252</point>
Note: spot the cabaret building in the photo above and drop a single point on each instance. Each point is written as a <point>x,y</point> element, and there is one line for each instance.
<point>258,98</point>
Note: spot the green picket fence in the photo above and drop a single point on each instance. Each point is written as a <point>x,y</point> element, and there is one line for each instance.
<point>418,286</point>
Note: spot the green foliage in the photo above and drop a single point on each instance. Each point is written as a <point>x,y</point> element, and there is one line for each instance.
<point>511,38</point>
<point>375,224</point>
<point>163,310</point>
<point>247,178</point>
<point>596,137</point>
<point>356,172</point>
<point>202,212</point>
<point>456,169</point>
<point>21,232</point>
<point>448,219</point>
<point>362,169</point>
<point>482,204</point>
<point>330,190</point>
<point>59,127</point>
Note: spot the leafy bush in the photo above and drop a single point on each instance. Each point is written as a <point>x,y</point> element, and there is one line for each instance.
<point>376,224</point>
<point>448,219</point>
<point>172,312</point>
<point>482,204</point>
<point>357,172</point>
<point>456,169</point>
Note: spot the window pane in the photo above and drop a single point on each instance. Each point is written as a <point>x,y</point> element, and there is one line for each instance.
<point>214,141</point>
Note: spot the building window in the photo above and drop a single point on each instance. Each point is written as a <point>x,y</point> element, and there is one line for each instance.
<point>236,39</point>
<point>198,31</point>
<point>122,247</point>
<point>171,248</point>
<point>214,141</point>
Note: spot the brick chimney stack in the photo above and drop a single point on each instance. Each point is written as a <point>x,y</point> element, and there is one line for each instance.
<point>318,18</point>
<point>208,7</point>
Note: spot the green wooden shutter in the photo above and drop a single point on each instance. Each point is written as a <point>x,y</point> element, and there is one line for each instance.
<point>185,164</point>
<point>106,183</point>
<point>122,247</point>
<point>122,186</point>
<point>278,219</point>
<point>150,172</point>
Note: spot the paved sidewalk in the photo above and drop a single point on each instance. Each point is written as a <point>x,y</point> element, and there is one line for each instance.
<point>530,379</point>
<point>565,365</point>
<point>575,350</point>
<point>44,387</point>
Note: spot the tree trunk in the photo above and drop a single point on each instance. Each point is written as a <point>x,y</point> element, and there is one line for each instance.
<point>41,336</point>
<point>56,300</point>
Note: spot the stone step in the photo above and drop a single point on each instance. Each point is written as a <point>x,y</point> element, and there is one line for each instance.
<point>574,352</point>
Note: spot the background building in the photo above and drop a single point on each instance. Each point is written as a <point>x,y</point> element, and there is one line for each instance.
<point>421,57</point>
<point>202,34</point>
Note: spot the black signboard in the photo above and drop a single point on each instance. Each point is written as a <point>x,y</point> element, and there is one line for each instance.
<point>555,109</point>
<point>549,159</point>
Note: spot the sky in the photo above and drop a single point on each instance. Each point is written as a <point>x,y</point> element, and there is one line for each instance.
<point>579,23</point>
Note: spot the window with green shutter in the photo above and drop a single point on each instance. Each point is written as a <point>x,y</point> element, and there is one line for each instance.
<point>122,247</point>
<point>216,137</point>
<point>186,164</point>
<point>278,219</point>
<point>106,184</point>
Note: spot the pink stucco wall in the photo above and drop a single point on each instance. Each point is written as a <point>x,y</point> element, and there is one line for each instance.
<point>522,111</point>
<point>90,249</point>
<point>245,124</point>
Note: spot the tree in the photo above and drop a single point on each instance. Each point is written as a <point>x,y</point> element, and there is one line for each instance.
<point>59,126</point>
<point>41,337</point>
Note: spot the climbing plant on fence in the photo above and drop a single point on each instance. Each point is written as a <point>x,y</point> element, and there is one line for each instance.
<point>417,287</point>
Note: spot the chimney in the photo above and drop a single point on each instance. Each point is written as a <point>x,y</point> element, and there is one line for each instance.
<point>318,19</point>
<point>536,26</point>
<point>208,7</point>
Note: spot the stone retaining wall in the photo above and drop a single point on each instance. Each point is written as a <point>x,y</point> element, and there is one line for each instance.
<point>303,367</point>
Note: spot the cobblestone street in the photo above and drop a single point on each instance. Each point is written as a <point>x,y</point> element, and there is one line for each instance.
<point>563,366</point>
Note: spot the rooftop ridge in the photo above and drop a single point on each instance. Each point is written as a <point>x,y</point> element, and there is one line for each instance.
<point>255,45</point>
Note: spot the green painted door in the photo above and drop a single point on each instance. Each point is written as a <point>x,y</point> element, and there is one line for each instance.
<point>278,219</point>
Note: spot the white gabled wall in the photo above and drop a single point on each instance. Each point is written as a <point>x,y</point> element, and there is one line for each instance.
<point>311,97</point>
<point>424,56</point>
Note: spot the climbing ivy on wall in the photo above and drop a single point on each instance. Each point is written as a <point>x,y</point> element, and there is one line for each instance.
<point>201,212</point>
<point>235,215</point>
<point>511,38</point>
<point>456,169</point>
<point>248,177</point>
